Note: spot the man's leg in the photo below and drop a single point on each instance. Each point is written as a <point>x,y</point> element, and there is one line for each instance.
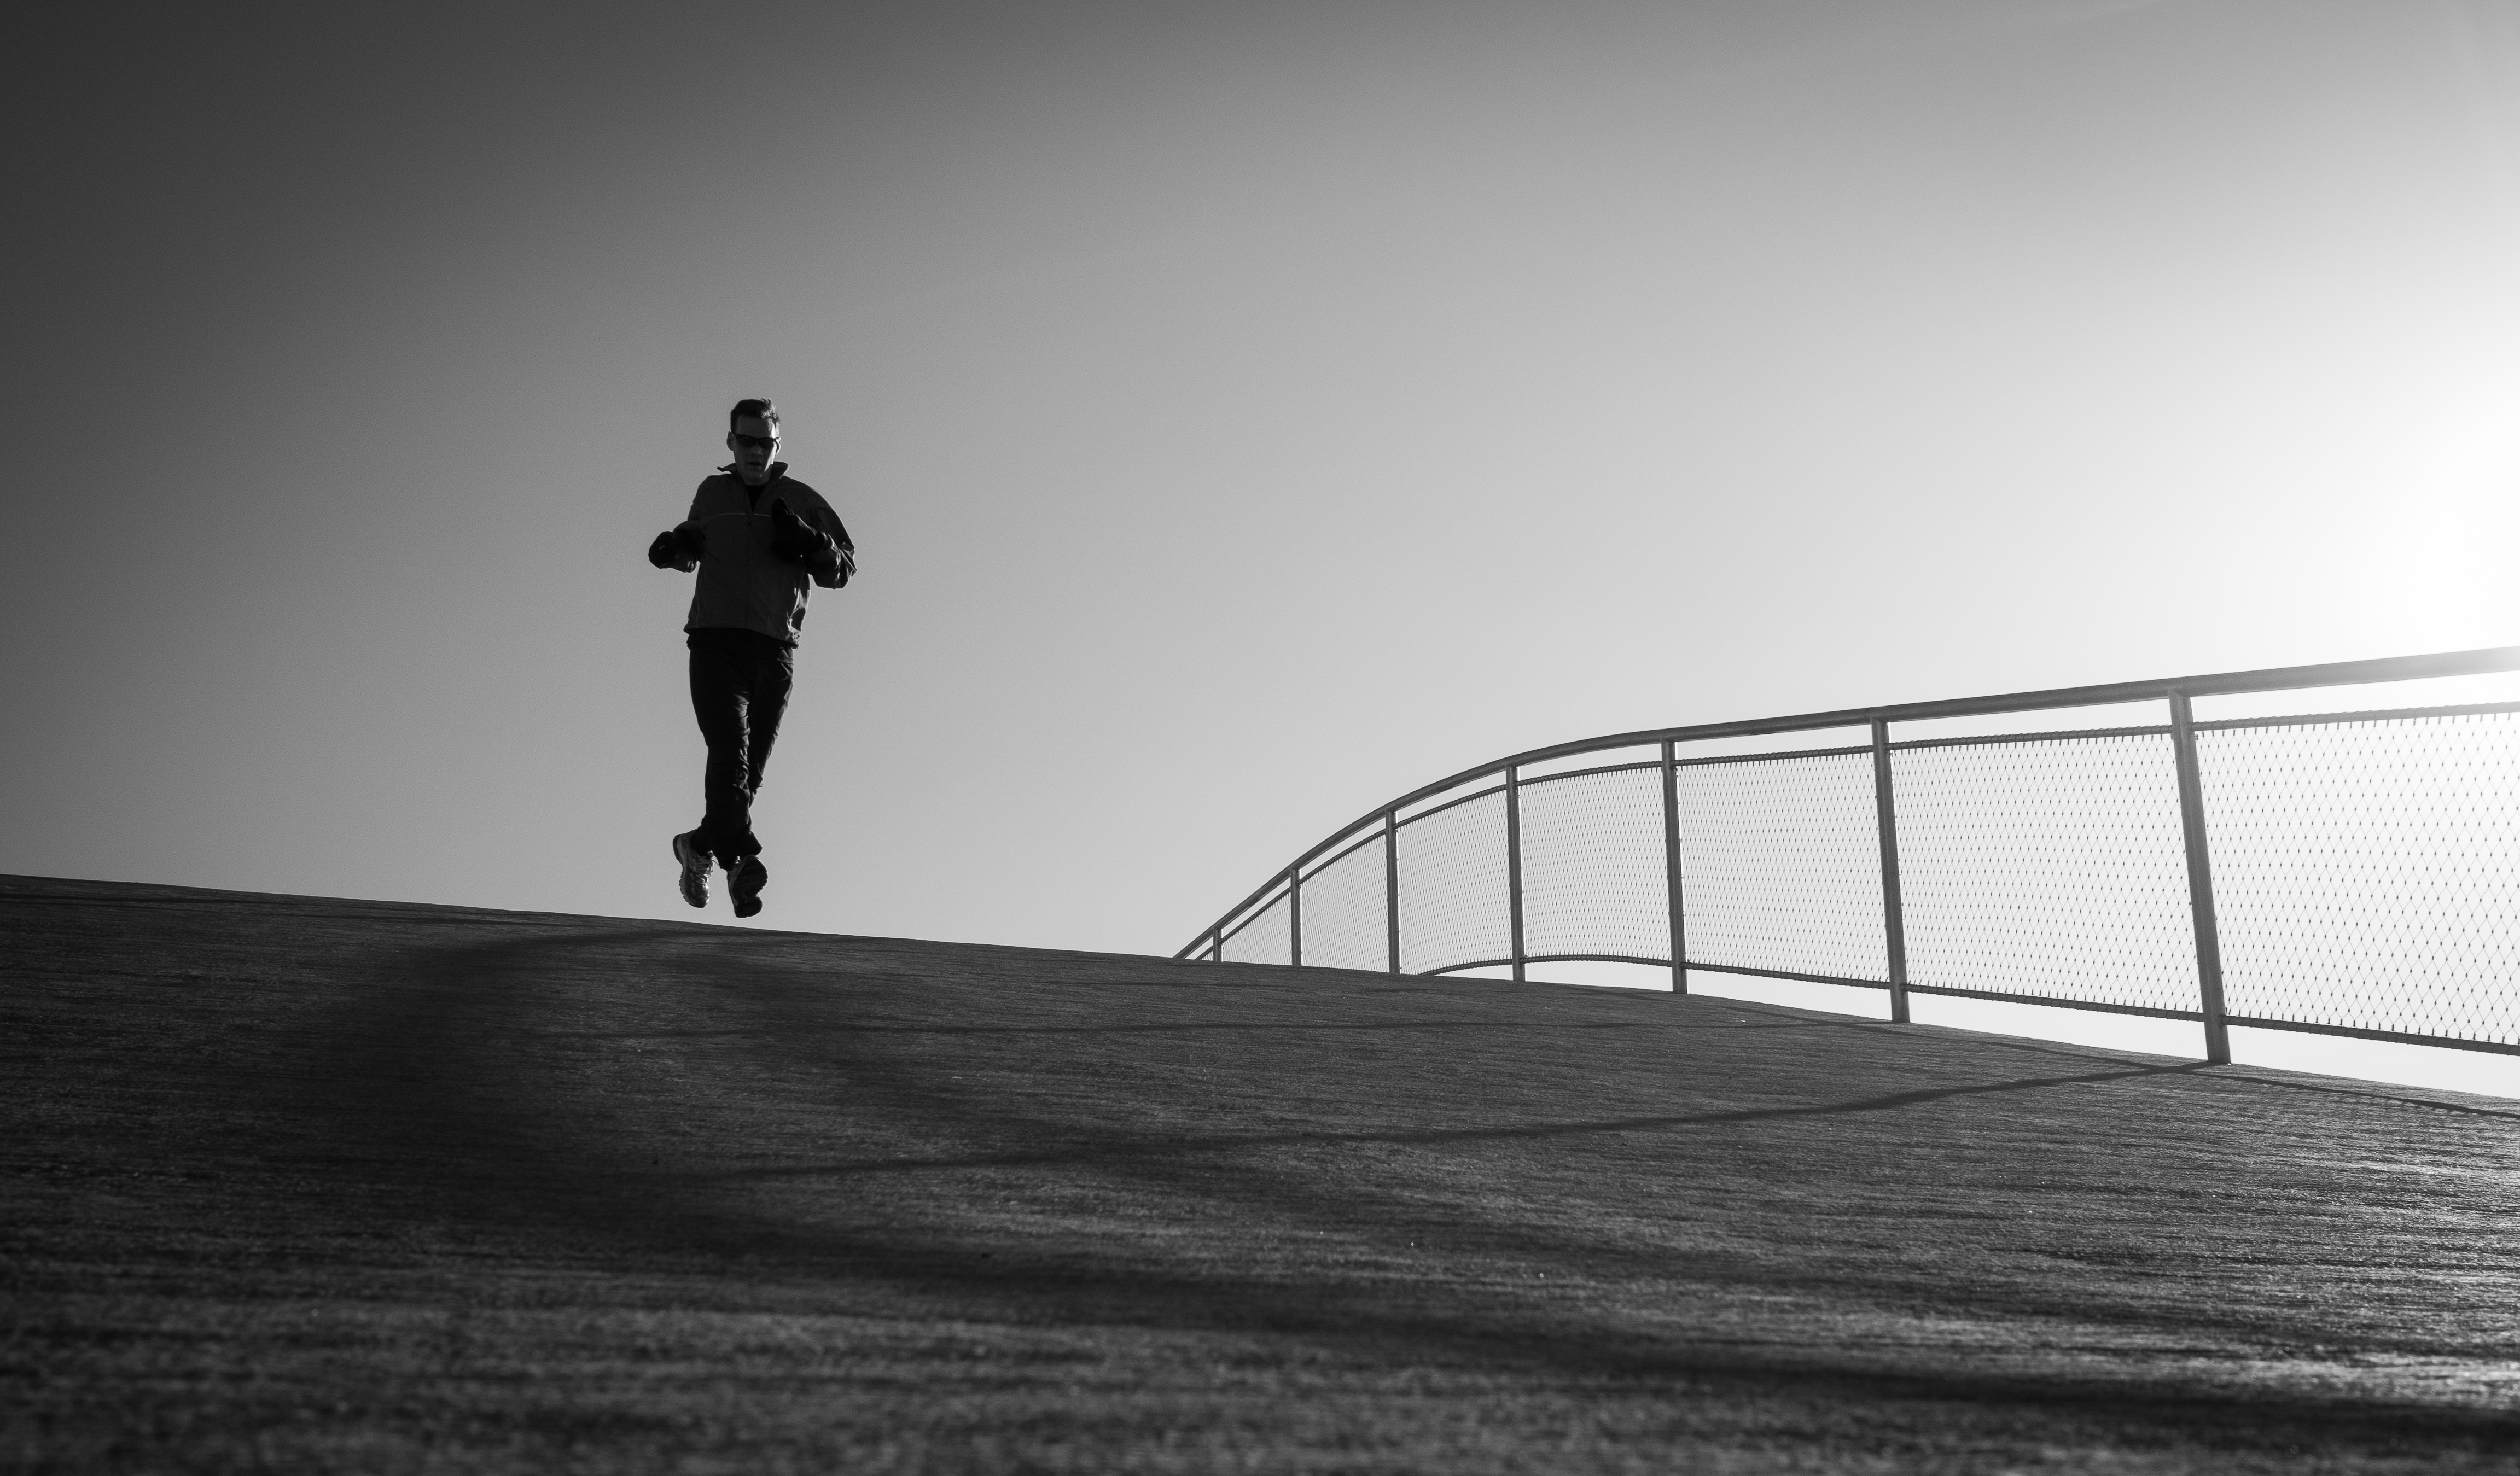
<point>773,675</point>
<point>770,672</point>
<point>721,696</point>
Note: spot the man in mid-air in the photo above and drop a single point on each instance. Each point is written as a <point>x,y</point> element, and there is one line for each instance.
<point>756,535</point>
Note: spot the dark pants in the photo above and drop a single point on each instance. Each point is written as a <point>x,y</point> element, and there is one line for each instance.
<point>740,682</point>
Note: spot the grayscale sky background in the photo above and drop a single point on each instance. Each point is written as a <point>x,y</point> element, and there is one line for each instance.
<point>1246,411</point>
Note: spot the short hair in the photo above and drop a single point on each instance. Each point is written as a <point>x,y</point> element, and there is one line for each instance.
<point>758,409</point>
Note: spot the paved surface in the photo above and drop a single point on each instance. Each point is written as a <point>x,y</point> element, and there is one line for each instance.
<point>297,1183</point>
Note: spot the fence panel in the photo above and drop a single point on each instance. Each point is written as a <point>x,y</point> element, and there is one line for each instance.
<point>1345,911</point>
<point>1781,863</point>
<point>1593,873</point>
<point>1455,903</point>
<point>2054,868</point>
<point>2367,873</point>
<point>1266,938</point>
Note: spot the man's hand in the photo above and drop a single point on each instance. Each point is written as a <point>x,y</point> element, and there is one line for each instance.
<point>797,541</point>
<point>672,551</point>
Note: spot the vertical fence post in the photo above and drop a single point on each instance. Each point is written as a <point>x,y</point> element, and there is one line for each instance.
<point>2200,880</point>
<point>1894,912</point>
<point>1671,865</point>
<point>1513,861</point>
<point>1391,883</point>
<point>1216,944</point>
<point>1295,915</point>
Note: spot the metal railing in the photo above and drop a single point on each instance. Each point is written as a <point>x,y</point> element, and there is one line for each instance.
<point>2351,874</point>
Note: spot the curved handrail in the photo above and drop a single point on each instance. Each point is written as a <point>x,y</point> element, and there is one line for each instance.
<point>2454,664</point>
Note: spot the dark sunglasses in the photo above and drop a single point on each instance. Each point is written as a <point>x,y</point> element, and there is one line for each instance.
<point>755,442</point>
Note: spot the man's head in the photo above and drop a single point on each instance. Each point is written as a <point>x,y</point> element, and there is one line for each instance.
<point>753,434</point>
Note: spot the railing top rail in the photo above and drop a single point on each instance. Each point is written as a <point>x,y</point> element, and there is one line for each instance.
<point>2448,663</point>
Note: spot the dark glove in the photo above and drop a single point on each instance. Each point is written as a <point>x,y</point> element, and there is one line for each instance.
<point>795,540</point>
<point>672,551</point>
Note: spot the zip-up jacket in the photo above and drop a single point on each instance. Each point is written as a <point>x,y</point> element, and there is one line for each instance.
<point>745,584</point>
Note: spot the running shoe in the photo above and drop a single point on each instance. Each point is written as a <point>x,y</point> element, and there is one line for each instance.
<point>696,870</point>
<point>744,882</point>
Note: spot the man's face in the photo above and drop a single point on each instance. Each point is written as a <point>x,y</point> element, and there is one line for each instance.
<point>754,441</point>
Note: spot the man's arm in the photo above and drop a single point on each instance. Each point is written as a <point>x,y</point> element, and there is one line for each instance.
<point>676,548</point>
<point>813,547</point>
<point>848,564</point>
<point>682,545</point>
<point>690,535</point>
<point>837,577</point>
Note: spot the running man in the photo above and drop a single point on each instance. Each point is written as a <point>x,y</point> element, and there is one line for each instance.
<point>755,534</point>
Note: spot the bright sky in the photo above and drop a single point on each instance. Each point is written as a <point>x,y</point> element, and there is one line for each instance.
<point>1245,412</point>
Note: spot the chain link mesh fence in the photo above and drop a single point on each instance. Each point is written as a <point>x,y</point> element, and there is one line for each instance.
<point>1593,872</point>
<point>1344,926</point>
<point>2056,868</point>
<point>1266,938</point>
<point>2365,866</point>
<point>2367,874</point>
<point>1781,866</point>
<point>1456,897</point>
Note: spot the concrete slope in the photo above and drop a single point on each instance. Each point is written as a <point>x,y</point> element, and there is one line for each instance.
<point>301,1184</point>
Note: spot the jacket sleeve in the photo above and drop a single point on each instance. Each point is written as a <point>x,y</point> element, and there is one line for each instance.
<point>834,572</point>
<point>693,529</point>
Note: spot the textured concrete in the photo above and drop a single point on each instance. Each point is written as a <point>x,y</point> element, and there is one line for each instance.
<point>296,1183</point>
